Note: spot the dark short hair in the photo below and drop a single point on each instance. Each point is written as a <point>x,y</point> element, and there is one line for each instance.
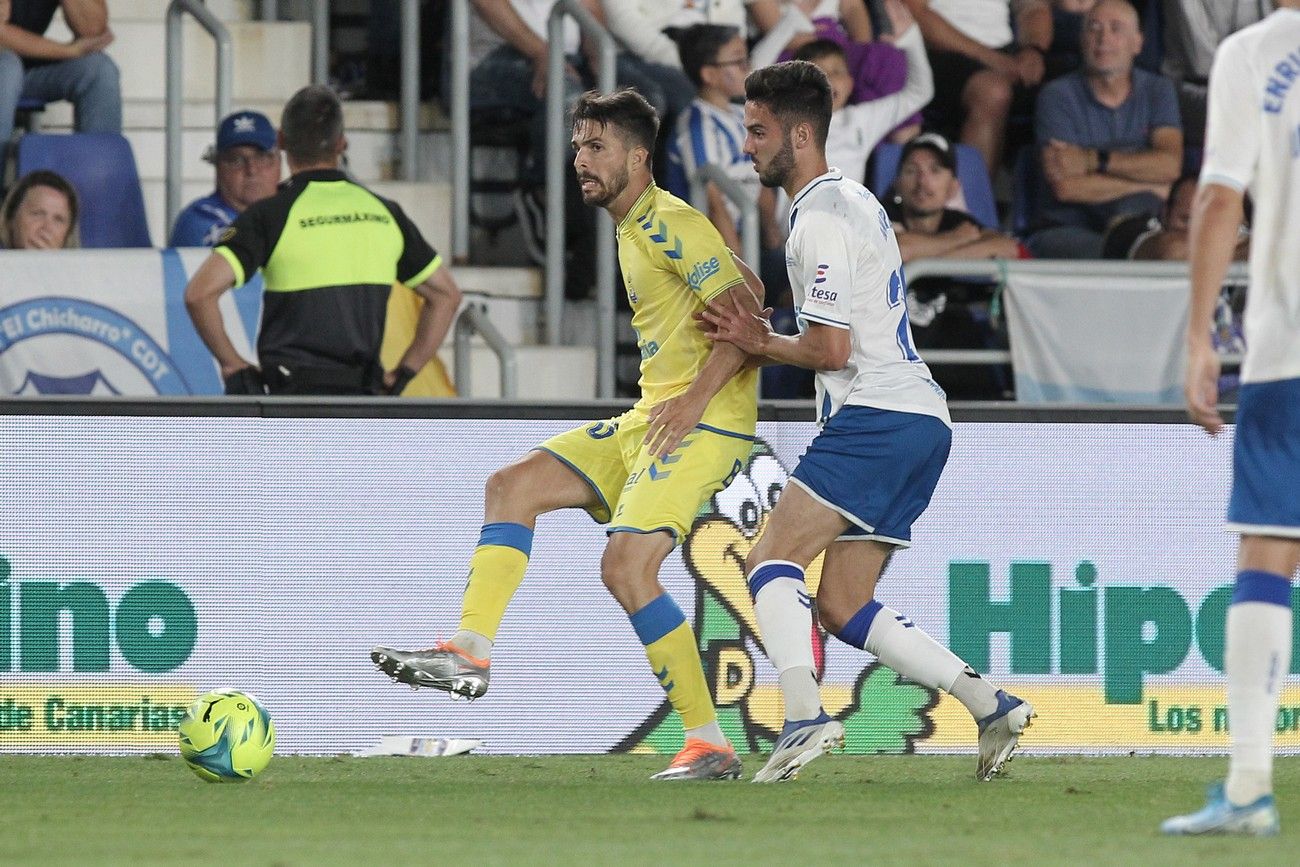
<point>19,191</point>
<point>312,124</point>
<point>819,48</point>
<point>796,92</point>
<point>636,120</point>
<point>698,46</point>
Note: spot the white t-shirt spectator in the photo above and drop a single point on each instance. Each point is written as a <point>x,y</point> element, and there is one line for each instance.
<point>639,24</point>
<point>857,129</point>
<point>483,40</point>
<point>988,22</point>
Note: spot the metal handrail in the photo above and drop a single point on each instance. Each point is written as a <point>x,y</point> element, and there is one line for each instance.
<point>176,11</point>
<point>750,239</point>
<point>460,130</point>
<point>410,140</point>
<point>474,319</point>
<point>997,269</point>
<point>555,155</point>
<point>320,41</point>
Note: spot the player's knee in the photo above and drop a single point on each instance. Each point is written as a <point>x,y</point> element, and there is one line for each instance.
<point>831,616</point>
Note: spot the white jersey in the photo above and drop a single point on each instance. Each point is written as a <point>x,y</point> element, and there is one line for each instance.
<point>705,134</point>
<point>1252,144</point>
<point>846,272</point>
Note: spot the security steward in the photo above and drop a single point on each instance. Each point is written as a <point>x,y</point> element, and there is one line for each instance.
<point>329,251</point>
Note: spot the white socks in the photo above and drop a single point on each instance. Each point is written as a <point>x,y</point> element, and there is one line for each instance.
<point>899,644</point>
<point>784,613</point>
<point>1257,659</point>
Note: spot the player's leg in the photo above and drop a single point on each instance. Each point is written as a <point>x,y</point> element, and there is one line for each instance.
<point>1257,640</point>
<point>848,609</point>
<point>575,469</point>
<point>513,499</point>
<point>1256,659</point>
<point>656,508</point>
<point>799,528</point>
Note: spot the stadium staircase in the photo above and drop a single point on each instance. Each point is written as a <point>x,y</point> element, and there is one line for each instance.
<point>272,60</point>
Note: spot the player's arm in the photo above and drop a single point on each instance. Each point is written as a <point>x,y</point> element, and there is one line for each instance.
<point>672,420</point>
<point>820,347</point>
<point>1232,146</point>
<point>1216,214</point>
<point>441,301</point>
<point>214,278</point>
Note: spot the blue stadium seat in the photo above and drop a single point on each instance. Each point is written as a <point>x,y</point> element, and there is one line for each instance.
<point>102,168</point>
<point>970,171</point>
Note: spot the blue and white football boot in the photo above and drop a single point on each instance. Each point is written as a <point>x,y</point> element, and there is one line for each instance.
<point>801,742</point>
<point>1000,732</point>
<point>1221,816</point>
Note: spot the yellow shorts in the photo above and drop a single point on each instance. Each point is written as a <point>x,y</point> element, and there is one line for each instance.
<point>638,493</point>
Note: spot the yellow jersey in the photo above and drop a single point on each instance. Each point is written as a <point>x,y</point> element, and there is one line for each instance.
<point>674,262</point>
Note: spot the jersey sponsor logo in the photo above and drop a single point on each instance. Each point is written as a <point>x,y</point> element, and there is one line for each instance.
<point>227,235</point>
<point>820,276</point>
<point>826,296</point>
<point>702,271</point>
<point>344,219</point>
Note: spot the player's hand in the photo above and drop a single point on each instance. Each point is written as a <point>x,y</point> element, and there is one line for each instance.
<point>748,331</point>
<point>671,422</point>
<point>1202,388</point>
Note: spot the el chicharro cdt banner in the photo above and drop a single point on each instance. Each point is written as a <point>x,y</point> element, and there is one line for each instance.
<point>144,560</point>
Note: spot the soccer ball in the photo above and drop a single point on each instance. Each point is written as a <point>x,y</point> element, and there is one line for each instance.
<point>226,736</point>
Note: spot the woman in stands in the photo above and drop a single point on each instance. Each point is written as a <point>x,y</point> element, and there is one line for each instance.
<point>40,213</point>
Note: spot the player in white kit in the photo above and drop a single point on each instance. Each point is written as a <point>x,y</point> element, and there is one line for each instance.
<point>1252,145</point>
<point>884,439</point>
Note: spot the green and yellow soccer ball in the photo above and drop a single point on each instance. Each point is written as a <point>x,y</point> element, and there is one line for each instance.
<point>226,737</point>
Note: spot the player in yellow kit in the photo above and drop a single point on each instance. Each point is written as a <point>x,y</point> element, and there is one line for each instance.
<point>645,473</point>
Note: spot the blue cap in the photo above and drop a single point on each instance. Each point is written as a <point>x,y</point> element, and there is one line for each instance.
<point>245,128</point>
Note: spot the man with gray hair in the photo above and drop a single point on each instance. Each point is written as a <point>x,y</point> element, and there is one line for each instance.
<point>329,251</point>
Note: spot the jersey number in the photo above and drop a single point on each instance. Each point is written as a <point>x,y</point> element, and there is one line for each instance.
<point>897,296</point>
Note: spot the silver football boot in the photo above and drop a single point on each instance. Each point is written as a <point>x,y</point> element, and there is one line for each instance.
<point>443,666</point>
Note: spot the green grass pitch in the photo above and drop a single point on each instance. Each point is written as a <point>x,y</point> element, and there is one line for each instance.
<point>473,810</point>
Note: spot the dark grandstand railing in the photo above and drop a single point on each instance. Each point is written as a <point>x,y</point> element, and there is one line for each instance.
<point>454,408</point>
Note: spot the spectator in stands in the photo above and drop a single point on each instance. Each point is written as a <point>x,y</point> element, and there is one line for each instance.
<point>508,76</point>
<point>33,67</point>
<point>328,273</point>
<point>983,65</point>
<point>877,66</point>
<point>1164,238</point>
<point>856,129</point>
<point>946,313</point>
<point>1193,30</point>
<point>651,62</point>
<point>926,227</point>
<point>1109,138</point>
<point>39,213</point>
<point>711,132</point>
<point>248,169</point>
